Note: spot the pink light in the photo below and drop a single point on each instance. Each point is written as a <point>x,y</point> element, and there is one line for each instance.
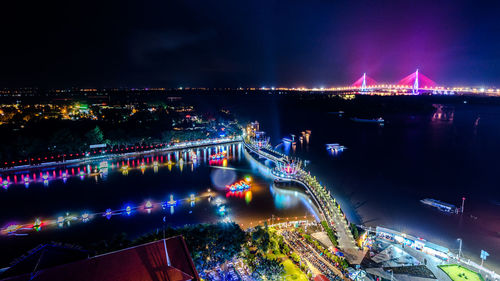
<point>423,81</point>
<point>369,82</point>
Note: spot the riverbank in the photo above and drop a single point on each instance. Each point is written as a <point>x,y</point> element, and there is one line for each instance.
<point>178,146</point>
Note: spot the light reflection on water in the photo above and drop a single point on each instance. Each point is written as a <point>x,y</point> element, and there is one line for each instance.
<point>288,199</point>
<point>118,184</point>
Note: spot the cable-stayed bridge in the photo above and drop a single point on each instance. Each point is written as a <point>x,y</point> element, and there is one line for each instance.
<point>413,84</point>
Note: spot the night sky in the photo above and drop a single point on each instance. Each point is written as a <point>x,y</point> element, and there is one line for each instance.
<point>216,43</point>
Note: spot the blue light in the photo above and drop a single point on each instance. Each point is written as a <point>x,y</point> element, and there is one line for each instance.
<point>108,213</point>
<point>85,217</point>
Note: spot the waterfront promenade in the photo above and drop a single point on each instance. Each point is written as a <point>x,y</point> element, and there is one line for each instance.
<point>328,206</point>
<point>103,157</point>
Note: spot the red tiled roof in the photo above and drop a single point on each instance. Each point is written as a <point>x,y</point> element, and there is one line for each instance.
<point>320,277</point>
<point>146,262</point>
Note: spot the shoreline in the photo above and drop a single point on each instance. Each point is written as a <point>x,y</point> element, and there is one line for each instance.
<point>121,155</point>
<point>469,262</point>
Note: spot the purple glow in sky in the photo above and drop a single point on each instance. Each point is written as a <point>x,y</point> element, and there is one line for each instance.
<point>248,43</point>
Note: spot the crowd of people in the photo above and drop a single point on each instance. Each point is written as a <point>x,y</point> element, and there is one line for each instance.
<point>308,253</point>
<point>235,270</point>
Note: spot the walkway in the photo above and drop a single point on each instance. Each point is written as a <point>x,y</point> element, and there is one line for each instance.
<point>329,208</point>
<point>104,157</point>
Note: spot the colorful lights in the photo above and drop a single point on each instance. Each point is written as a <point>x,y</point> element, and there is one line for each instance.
<point>85,217</point>
<point>60,221</point>
<point>239,186</point>
<point>12,228</point>
<point>108,213</point>
<point>63,173</point>
<point>248,197</point>
<point>37,225</point>
<point>218,156</point>
<point>171,202</point>
<point>222,210</point>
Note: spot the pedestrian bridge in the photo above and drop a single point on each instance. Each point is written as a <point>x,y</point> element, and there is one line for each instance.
<point>329,208</point>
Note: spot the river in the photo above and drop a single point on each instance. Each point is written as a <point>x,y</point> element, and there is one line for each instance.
<point>75,190</point>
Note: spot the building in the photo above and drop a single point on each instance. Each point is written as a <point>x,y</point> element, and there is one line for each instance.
<point>416,243</point>
<point>163,260</point>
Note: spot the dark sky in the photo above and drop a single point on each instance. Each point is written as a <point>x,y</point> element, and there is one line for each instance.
<point>217,43</point>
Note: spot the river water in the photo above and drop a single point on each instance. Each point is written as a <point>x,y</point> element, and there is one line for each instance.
<point>116,188</point>
<point>438,148</point>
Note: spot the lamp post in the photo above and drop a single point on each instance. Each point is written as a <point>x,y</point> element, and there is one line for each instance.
<point>459,248</point>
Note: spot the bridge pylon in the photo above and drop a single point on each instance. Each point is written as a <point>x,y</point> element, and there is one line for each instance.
<point>414,90</point>
<point>417,82</point>
<point>363,84</point>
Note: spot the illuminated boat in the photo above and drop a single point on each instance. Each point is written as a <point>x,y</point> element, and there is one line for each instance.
<point>60,221</point>
<point>85,217</point>
<point>335,147</point>
<point>148,205</point>
<point>288,141</point>
<point>108,213</point>
<point>379,120</point>
<point>219,156</point>
<point>171,202</point>
<point>239,186</point>
<point>128,210</point>
<point>442,206</point>
<point>11,229</point>
<point>37,225</point>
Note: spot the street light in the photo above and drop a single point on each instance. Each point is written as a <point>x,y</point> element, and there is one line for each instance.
<point>459,248</point>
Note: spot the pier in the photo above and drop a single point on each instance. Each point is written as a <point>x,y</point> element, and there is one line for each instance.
<point>288,169</point>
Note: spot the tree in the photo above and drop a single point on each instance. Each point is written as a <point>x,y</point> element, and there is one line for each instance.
<point>94,136</point>
<point>213,244</point>
<point>354,231</point>
<point>270,268</point>
<point>261,237</point>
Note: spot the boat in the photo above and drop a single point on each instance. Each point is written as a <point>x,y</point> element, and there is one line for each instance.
<point>219,156</point>
<point>442,206</point>
<point>239,186</point>
<point>339,113</point>
<point>335,147</point>
<point>288,141</point>
<point>379,120</point>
